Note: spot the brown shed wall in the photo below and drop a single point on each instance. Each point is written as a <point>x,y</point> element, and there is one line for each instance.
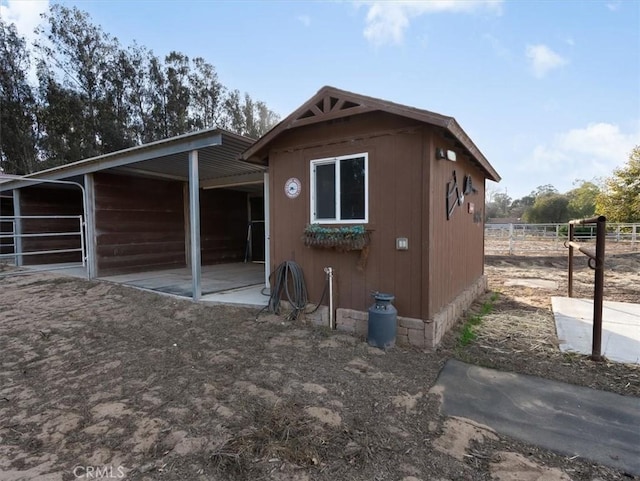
<point>396,177</point>
<point>43,201</point>
<point>456,246</point>
<point>224,216</point>
<point>139,223</point>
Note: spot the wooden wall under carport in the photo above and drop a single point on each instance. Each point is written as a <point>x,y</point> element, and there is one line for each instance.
<point>141,224</point>
<point>50,201</point>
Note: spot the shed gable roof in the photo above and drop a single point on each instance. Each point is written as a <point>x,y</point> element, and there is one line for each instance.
<point>332,103</point>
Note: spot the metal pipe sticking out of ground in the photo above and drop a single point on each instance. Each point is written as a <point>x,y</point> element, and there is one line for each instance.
<point>329,272</point>
<point>596,262</point>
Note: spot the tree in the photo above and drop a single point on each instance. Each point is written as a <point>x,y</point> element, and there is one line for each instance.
<point>266,119</point>
<point>550,208</point>
<point>234,115</point>
<point>543,190</point>
<point>17,105</point>
<point>61,134</point>
<point>177,93</point>
<point>619,199</point>
<point>76,50</point>
<point>497,205</point>
<point>582,200</point>
<point>250,122</point>
<point>93,96</point>
<point>206,94</point>
<point>520,206</point>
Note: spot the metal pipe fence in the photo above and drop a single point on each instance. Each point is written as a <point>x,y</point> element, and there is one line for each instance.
<point>548,239</point>
<point>15,236</point>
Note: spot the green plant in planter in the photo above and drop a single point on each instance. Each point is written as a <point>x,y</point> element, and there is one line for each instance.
<point>352,237</point>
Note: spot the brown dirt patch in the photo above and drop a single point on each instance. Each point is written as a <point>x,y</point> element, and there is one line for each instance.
<point>103,376</point>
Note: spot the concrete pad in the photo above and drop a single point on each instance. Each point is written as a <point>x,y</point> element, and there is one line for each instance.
<point>215,278</point>
<point>535,283</point>
<point>247,296</point>
<point>620,328</point>
<point>576,421</point>
<point>233,283</point>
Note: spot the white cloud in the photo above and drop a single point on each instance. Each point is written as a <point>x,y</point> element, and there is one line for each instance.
<point>613,6</point>
<point>24,14</point>
<point>386,21</point>
<point>304,20</point>
<point>585,153</point>
<point>543,59</point>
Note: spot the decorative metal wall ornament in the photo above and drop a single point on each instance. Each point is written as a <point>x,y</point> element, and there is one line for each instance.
<point>455,197</point>
<point>468,186</point>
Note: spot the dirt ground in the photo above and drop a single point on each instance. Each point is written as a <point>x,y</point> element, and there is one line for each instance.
<point>101,379</point>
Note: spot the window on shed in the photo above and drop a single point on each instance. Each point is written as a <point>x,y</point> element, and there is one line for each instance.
<point>339,190</point>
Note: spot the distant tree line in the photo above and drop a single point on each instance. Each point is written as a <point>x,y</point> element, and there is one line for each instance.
<point>617,197</point>
<point>93,96</point>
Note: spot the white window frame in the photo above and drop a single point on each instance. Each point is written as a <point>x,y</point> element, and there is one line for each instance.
<point>312,191</point>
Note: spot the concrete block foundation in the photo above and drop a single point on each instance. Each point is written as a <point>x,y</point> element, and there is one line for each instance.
<point>425,334</point>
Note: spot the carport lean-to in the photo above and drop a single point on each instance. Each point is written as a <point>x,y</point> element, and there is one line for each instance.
<point>183,201</point>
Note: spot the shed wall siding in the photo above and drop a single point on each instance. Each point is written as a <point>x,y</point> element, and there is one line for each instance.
<point>42,201</point>
<point>456,247</point>
<point>395,199</point>
<point>223,225</point>
<point>139,224</point>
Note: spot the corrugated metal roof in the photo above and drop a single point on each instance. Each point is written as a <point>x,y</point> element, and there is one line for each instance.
<point>218,158</point>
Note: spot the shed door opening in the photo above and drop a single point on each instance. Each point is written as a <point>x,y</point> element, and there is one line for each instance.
<point>256,237</point>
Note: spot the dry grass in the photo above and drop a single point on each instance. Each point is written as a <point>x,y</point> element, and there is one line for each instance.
<point>519,334</point>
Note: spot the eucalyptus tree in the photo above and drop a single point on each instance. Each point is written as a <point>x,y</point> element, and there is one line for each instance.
<point>177,93</point>
<point>81,54</point>
<point>234,116</point>
<point>206,95</point>
<point>17,105</point>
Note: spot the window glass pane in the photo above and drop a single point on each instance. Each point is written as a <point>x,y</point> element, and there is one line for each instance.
<point>352,188</point>
<point>326,191</point>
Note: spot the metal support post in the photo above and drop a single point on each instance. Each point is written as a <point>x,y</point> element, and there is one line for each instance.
<point>194,221</point>
<point>570,283</point>
<point>17,228</point>
<point>596,353</point>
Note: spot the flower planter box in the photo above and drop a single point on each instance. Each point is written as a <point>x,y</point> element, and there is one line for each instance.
<point>353,238</point>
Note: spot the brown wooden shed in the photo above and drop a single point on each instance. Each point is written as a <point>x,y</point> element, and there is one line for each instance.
<point>412,179</point>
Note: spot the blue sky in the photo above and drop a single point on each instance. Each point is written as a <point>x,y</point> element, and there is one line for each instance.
<point>548,90</point>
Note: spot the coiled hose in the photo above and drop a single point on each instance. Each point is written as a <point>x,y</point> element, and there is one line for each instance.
<point>288,279</point>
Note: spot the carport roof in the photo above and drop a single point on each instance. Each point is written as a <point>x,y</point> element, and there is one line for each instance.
<point>218,161</point>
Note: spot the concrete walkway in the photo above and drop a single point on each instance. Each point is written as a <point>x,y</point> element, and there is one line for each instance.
<point>576,421</point>
<point>620,328</point>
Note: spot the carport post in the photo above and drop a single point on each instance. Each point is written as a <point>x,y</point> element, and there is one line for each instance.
<point>17,227</point>
<point>194,223</point>
<point>267,221</point>
<point>90,225</point>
